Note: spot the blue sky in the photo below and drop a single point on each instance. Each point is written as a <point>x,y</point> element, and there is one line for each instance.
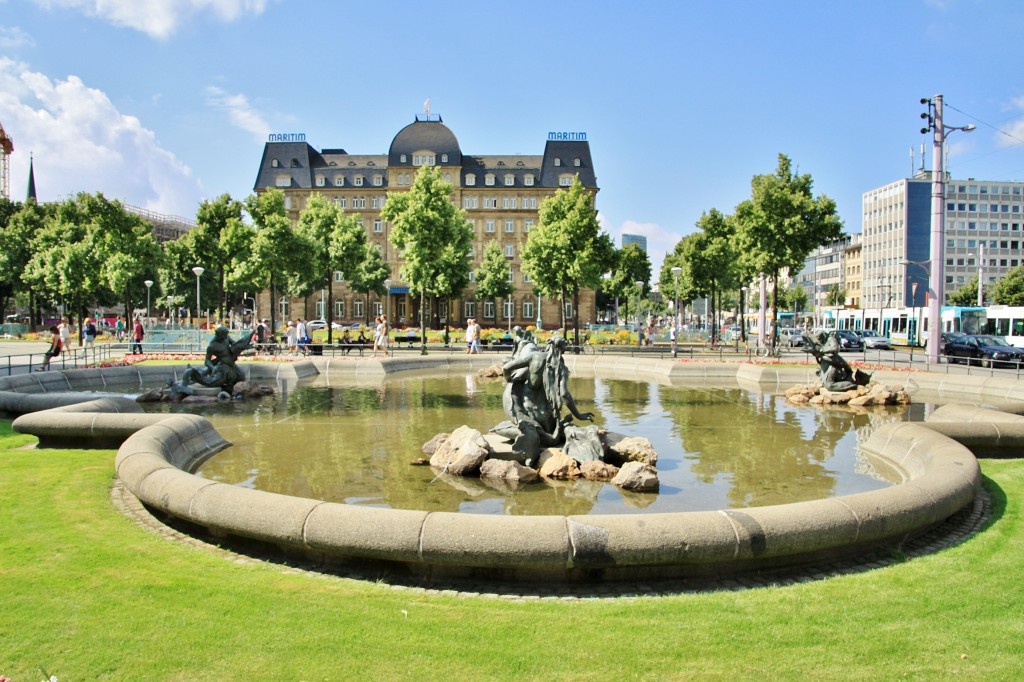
<point>162,103</point>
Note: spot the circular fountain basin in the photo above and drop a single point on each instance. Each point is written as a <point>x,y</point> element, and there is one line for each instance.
<point>935,475</point>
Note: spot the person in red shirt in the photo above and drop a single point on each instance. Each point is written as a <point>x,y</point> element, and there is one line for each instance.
<point>137,333</point>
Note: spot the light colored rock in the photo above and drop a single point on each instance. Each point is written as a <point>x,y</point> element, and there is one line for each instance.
<point>635,449</point>
<point>490,372</point>
<point>637,476</point>
<point>431,446</point>
<point>556,464</point>
<point>507,470</point>
<point>462,452</point>
<point>499,447</point>
<point>598,471</point>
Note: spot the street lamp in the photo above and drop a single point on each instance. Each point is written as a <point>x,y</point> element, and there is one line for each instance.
<point>387,287</point>
<point>675,311</point>
<point>149,286</point>
<point>743,314</point>
<point>981,273</point>
<point>198,270</point>
<point>939,130</point>
<point>925,268</point>
<point>639,322</point>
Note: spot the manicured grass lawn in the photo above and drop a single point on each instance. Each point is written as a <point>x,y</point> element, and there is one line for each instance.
<point>86,594</point>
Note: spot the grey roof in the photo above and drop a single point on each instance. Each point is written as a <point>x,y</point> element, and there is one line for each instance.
<point>426,135</point>
<point>567,152</point>
<point>294,158</point>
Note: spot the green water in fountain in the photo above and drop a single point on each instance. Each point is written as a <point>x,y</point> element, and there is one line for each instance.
<point>718,447</point>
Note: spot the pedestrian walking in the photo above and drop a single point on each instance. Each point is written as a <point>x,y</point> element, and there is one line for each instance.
<point>53,351</point>
<point>138,333</point>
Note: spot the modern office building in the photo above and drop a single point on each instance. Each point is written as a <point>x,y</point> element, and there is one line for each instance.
<point>983,232</point>
<point>639,239</point>
<point>500,194</point>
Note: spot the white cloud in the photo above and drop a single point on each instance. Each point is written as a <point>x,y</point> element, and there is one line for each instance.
<point>82,143</point>
<point>14,38</point>
<point>660,241</point>
<point>240,113</point>
<point>1015,130</point>
<point>157,18</point>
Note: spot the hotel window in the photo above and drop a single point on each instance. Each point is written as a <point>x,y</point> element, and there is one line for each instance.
<point>283,181</point>
<point>401,159</point>
<point>565,181</point>
<point>274,163</point>
<point>528,180</point>
<point>288,203</point>
<point>510,250</point>
<point>339,181</point>
<point>510,226</point>
<point>470,179</point>
<point>444,158</point>
<point>509,309</point>
<point>509,202</point>
<point>568,310</point>
<point>558,161</point>
<point>342,202</point>
<point>339,310</point>
<point>469,202</point>
<point>378,181</point>
<point>511,276</point>
<point>321,181</point>
<point>337,276</point>
<point>358,181</point>
<point>510,180</point>
<point>489,226</point>
<point>472,276</point>
<point>490,202</point>
<point>527,225</point>
<point>378,225</point>
<point>526,280</point>
<point>469,307</point>
<point>489,310</point>
<point>282,307</point>
<point>576,162</point>
<point>528,310</point>
<point>489,179</point>
<point>358,202</point>
<point>423,159</point>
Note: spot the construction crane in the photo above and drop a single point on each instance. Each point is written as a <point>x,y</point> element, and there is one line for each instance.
<point>7,146</point>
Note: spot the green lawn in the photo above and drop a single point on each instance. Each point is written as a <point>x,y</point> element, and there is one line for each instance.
<point>86,594</point>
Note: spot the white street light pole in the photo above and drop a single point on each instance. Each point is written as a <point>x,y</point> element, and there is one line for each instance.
<point>639,322</point>
<point>981,274</point>
<point>675,311</point>
<point>198,270</point>
<point>938,236</point>
<point>149,287</point>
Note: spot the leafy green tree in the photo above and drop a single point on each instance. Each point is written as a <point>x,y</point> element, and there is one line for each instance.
<point>568,251</point>
<point>783,222</point>
<point>965,295</point>
<point>275,249</point>
<point>20,223</point>
<point>433,237</point>
<point>336,242</point>
<point>631,265</point>
<point>370,275</point>
<point>835,296</point>
<point>211,241</point>
<point>1009,290</point>
<point>492,277</point>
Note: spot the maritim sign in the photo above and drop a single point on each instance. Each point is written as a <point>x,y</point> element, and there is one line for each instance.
<point>286,137</point>
<point>568,136</point>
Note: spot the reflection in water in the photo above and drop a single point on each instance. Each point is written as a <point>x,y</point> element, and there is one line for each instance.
<point>718,447</point>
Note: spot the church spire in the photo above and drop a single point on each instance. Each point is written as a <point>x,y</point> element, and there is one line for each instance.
<point>31,180</point>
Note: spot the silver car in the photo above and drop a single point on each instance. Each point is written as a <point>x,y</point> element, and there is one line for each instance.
<point>871,340</point>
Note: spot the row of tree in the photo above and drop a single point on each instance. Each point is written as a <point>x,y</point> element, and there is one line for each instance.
<point>89,251</point>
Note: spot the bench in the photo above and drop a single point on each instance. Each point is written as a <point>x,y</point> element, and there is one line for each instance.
<point>407,339</point>
<point>347,348</point>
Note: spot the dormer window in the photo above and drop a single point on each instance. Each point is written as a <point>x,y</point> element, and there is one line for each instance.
<point>565,180</point>
<point>576,162</point>
<point>444,158</point>
<point>402,158</point>
<point>489,179</point>
<point>528,180</point>
<point>510,180</point>
<point>339,181</point>
<point>378,181</point>
<point>423,159</point>
<point>470,179</point>
<point>295,163</point>
<point>321,181</point>
<point>274,163</point>
<point>558,161</point>
<point>358,181</point>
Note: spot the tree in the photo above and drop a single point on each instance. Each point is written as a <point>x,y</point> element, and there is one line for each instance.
<point>783,222</point>
<point>17,231</point>
<point>711,260</point>
<point>1010,289</point>
<point>492,277</point>
<point>568,251</point>
<point>432,235</point>
<point>211,241</point>
<point>836,296</point>
<point>965,295</point>
<point>336,241</point>
<point>275,249</point>
<point>371,274</point>
<point>631,265</point>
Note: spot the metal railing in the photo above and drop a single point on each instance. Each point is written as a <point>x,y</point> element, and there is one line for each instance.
<point>74,358</point>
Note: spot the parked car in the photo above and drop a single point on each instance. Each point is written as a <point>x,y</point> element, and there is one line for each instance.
<point>315,325</point>
<point>984,350</point>
<point>791,336</point>
<point>848,340</point>
<point>873,340</point>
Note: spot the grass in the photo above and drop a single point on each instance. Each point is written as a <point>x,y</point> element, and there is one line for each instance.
<point>86,594</point>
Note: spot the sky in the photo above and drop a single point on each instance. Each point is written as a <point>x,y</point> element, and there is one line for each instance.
<point>164,103</point>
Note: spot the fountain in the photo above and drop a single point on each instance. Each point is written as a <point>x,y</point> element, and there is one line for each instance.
<point>937,477</point>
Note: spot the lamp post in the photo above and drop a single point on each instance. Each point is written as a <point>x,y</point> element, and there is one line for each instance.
<point>387,289</point>
<point>743,314</point>
<point>917,322</point>
<point>198,270</point>
<point>149,287</point>
<point>981,273</point>
<point>675,311</point>
<point>639,322</point>
<point>926,269</point>
<point>935,253</point>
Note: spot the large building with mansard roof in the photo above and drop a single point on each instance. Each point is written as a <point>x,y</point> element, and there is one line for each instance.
<point>500,194</point>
